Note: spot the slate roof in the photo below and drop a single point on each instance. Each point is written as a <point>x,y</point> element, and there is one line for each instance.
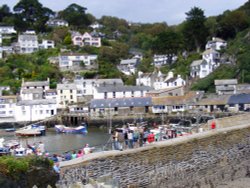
<point>119,88</point>
<point>189,98</point>
<point>121,102</point>
<point>214,100</point>
<point>239,99</point>
<point>66,86</point>
<point>37,90</point>
<point>37,83</point>
<point>197,62</point>
<point>37,102</point>
<point>226,81</point>
<point>128,61</point>
<point>210,51</point>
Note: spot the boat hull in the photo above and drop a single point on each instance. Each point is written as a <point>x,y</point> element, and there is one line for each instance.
<point>74,130</point>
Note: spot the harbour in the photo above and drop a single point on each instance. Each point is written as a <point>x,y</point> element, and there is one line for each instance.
<point>60,143</point>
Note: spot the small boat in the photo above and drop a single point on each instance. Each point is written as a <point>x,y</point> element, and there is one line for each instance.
<point>31,130</point>
<point>10,129</point>
<point>3,150</point>
<point>11,143</point>
<point>64,129</point>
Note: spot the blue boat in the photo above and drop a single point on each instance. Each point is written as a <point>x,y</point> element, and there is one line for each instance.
<point>77,130</point>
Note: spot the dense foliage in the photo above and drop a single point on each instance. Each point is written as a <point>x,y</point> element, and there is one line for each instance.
<point>182,40</point>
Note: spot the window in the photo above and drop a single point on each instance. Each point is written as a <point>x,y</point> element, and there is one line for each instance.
<point>131,108</point>
<point>71,91</point>
<point>105,95</point>
<point>23,113</point>
<point>41,111</point>
<point>141,93</point>
<point>71,96</point>
<point>114,94</point>
<point>132,93</point>
<point>2,106</point>
<point>61,91</point>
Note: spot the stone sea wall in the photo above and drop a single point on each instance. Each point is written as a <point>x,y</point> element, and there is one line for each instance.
<point>201,160</point>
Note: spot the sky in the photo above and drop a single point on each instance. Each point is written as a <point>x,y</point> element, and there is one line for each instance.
<point>144,11</point>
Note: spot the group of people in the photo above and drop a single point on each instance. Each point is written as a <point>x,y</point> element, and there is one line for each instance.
<point>71,155</point>
<point>133,137</point>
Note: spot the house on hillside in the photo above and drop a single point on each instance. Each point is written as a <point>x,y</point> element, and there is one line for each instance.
<point>56,22</point>
<point>6,30</point>
<point>86,40</point>
<point>212,57</point>
<point>106,92</point>
<point>216,44</point>
<point>47,44</point>
<point>160,60</point>
<point>226,86</point>
<point>77,61</point>
<point>128,66</point>
<point>146,79</point>
<point>27,43</point>
<point>162,81</point>
<point>120,106</point>
<point>200,68</point>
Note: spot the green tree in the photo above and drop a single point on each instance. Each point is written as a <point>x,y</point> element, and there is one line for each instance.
<point>230,23</point>
<point>167,43</point>
<point>67,40</point>
<point>4,12</point>
<point>195,31</point>
<point>76,16</point>
<point>30,14</point>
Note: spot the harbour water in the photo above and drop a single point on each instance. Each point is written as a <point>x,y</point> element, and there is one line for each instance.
<point>59,143</point>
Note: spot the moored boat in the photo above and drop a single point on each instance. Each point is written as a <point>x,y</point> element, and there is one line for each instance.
<point>64,129</point>
<point>31,130</point>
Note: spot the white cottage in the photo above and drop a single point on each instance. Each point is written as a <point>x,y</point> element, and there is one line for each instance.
<point>27,43</point>
<point>128,66</point>
<point>216,44</point>
<point>86,40</point>
<point>34,110</point>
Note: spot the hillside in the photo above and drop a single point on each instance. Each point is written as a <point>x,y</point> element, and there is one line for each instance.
<point>120,37</point>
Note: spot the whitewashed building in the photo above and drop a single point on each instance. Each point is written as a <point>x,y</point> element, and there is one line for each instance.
<point>160,60</point>
<point>200,69</point>
<point>212,57</point>
<point>57,23</point>
<point>7,30</point>
<point>7,106</point>
<point>146,79</point>
<point>27,43</point>
<point>34,90</point>
<point>128,66</point>
<point>86,40</point>
<point>105,92</point>
<point>34,110</point>
<point>47,44</point>
<point>216,44</point>
<point>87,86</point>
<point>76,61</point>
<point>66,94</point>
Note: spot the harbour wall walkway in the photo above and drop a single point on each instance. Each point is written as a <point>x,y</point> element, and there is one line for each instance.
<point>200,160</point>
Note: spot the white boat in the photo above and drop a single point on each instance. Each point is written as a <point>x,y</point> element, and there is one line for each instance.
<point>64,129</point>
<point>11,143</point>
<point>31,130</point>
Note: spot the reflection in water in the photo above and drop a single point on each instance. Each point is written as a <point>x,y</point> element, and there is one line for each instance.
<point>59,143</point>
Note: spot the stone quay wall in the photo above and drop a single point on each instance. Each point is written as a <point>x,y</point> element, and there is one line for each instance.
<point>200,160</point>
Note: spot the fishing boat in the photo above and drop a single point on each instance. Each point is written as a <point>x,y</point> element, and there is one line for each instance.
<point>10,129</point>
<point>64,129</point>
<point>3,150</point>
<point>31,130</point>
<point>11,143</point>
